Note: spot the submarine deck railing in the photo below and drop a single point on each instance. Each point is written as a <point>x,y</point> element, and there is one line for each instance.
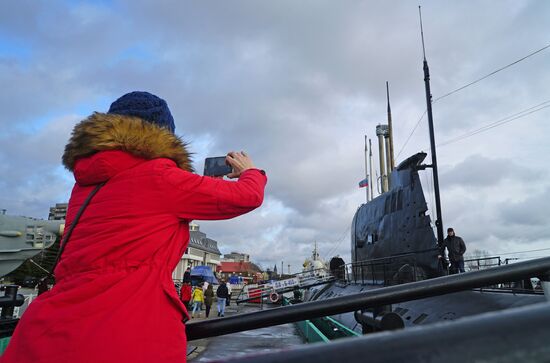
<point>378,268</point>
<point>375,271</point>
<point>372,298</point>
<point>479,263</point>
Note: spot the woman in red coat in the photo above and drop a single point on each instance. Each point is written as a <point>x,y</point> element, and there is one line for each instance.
<point>185,294</point>
<point>114,300</point>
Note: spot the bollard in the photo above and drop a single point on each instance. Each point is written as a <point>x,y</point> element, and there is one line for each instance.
<point>10,300</point>
<point>545,283</point>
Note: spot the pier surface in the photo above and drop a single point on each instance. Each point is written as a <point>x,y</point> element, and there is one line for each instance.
<point>247,342</point>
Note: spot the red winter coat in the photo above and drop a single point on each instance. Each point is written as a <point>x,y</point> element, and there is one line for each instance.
<point>185,293</point>
<point>114,300</point>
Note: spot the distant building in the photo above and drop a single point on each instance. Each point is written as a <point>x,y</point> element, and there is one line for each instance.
<point>236,257</point>
<point>270,275</point>
<point>247,270</point>
<point>58,212</point>
<point>200,251</point>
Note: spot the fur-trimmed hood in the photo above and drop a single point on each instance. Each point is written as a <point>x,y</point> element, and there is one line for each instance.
<point>102,131</point>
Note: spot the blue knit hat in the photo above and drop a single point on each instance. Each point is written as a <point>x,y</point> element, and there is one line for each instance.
<point>145,106</point>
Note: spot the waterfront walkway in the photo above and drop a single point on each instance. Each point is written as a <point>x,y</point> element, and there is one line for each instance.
<point>238,344</point>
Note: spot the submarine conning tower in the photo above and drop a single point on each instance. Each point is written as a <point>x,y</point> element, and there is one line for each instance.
<point>392,232</point>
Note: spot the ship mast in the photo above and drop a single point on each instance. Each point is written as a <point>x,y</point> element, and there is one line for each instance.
<point>366,170</point>
<point>315,253</point>
<point>439,220</point>
<point>391,166</point>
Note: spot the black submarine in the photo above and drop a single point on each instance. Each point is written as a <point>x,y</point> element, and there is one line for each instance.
<point>393,246</point>
<point>393,243</point>
<point>397,282</point>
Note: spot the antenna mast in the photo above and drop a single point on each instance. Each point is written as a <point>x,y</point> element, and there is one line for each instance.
<point>439,220</point>
<point>392,159</point>
<point>366,170</point>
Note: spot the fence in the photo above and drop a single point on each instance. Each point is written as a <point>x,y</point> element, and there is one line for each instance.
<point>373,298</point>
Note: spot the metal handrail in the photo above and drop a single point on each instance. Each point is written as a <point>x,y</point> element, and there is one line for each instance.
<point>406,254</point>
<point>384,262</point>
<point>491,337</point>
<point>373,298</point>
<point>482,258</point>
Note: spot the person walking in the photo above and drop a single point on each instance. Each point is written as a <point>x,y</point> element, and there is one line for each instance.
<point>198,299</point>
<point>114,278</point>
<point>222,295</point>
<point>456,247</point>
<point>187,275</point>
<point>43,286</point>
<point>208,299</point>
<point>228,301</point>
<point>185,294</point>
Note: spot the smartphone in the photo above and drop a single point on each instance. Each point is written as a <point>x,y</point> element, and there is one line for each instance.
<point>216,166</point>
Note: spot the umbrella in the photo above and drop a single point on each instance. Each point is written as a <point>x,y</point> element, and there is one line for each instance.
<point>205,272</point>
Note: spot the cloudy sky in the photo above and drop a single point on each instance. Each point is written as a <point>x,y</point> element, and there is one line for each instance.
<point>297,85</point>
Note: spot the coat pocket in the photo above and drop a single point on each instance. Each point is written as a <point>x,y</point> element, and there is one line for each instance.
<point>176,302</point>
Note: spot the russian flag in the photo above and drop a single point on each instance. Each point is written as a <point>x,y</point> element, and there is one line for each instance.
<point>364,183</point>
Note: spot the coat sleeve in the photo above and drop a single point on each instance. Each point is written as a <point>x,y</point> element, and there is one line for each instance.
<point>462,246</point>
<point>191,196</point>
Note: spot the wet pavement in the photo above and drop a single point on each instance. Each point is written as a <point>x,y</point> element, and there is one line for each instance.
<point>243,343</point>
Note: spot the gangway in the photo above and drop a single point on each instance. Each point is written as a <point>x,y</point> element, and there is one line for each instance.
<point>275,289</point>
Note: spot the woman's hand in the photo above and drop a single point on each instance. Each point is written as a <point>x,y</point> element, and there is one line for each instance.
<point>240,162</point>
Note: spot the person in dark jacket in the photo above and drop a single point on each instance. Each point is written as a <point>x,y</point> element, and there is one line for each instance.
<point>456,248</point>
<point>223,294</point>
<point>208,299</point>
<point>43,286</point>
<point>187,275</point>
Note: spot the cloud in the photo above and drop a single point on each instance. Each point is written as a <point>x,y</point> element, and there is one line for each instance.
<point>478,171</point>
<point>297,85</point>
<point>530,212</point>
<point>34,179</point>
